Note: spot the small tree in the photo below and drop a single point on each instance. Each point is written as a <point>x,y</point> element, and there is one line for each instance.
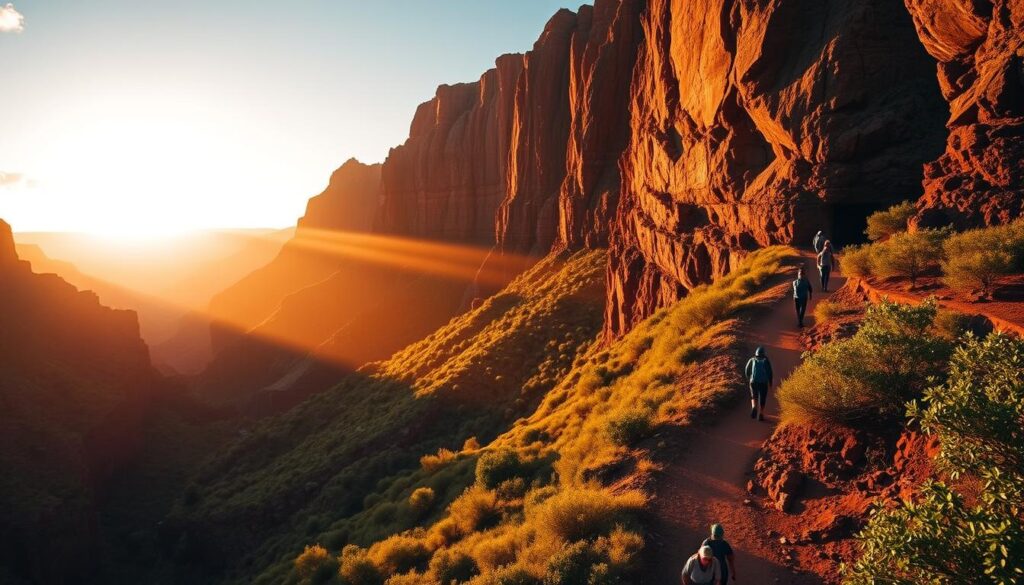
<point>315,565</point>
<point>910,254</point>
<point>857,260</point>
<point>871,375</point>
<point>977,259</point>
<point>883,224</point>
<point>978,416</point>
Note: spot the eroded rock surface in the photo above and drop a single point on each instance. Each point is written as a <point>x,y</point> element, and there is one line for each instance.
<point>759,123</point>
<point>979,46</point>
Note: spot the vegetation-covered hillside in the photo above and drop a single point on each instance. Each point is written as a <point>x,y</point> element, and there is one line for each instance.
<point>313,473</point>
<point>508,438</point>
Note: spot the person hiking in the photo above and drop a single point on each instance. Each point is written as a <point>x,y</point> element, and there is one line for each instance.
<point>759,375</point>
<point>802,292</point>
<point>723,552</point>
<point>826,260</point>
<point>819,239</point>
<point>702,568</point>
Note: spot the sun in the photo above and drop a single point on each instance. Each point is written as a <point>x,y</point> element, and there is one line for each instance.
<point>141,168</point>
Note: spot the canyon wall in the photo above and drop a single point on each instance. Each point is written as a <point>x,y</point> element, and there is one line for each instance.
<point>527,156</point>
<point>979,46</point>
<point>75,385</point>
<point>760,123</point>
<point>682,135</point>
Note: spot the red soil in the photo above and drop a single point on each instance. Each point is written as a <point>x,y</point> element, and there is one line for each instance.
<point>708,483</point>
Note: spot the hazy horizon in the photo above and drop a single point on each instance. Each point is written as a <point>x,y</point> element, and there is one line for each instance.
<point>148,120</point>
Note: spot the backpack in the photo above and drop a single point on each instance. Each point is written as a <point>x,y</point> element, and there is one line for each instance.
<point>798,289</point>
<point>759,371</point>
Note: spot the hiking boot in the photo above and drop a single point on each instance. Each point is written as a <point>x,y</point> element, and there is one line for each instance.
<point>753,412</point>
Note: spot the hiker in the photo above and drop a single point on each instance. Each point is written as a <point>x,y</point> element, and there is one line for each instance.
<point>723,552</point>
<point>802,292</point>
<point>825,262</point>
<point>759,374</point>
<point>702,568</point>
<point>819,239</point>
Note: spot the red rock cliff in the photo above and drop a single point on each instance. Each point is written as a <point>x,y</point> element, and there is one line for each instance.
<point>350,201</point>
<point>447,180</point>
<point>759,123</point>
<point>979,47</point>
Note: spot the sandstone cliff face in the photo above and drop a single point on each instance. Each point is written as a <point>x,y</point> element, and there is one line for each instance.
<point>569,130</point>
<point>350,201</point>
<point>75,385</point>
<point>759,123</point>
<point>527,156</point>
<point>979,46</point>
<point>447,180</point>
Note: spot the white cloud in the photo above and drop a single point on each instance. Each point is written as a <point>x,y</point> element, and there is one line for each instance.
<point>10,19</point>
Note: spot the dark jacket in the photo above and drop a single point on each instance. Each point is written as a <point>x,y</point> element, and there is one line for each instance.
<point>802,289</point>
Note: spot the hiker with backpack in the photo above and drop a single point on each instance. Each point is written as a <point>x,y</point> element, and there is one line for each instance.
<point>723,552</point>
<point>819,239</point>
<point>802,292</point>
<point>702,568</point>
<point>826,260</point>
<point>758,372</point>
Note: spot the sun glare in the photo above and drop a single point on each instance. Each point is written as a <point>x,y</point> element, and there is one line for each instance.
<point>141,167</point>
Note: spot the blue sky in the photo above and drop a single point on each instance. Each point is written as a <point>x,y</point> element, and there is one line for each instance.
<point>123,115</point>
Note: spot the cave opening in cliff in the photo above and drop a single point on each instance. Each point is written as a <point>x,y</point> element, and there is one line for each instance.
<point>849,222</point>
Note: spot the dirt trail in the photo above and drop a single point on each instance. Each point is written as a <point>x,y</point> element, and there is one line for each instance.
<point>708,483</point>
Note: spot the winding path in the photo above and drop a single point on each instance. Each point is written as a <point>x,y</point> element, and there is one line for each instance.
<point>707,483</point>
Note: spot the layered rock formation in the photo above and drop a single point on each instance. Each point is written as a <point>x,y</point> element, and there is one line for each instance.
<point>447,180</point>
<point>517,162</point>
<point>570,130</point>
<point>759,123</point>
<point>979,46</point>
<point>75,385</point>
<point>350,201</point>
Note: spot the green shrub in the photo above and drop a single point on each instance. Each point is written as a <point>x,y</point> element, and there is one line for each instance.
<point>621,549</point>
<point>399,554</point>
<point>496,467</point>
<point>909,254</point>
<point>857,261</point>
<point>476,509</point>
<point>826,311</point>
<point>357,568</point>
<point>315,565</point>
<point>883,224</point>
<point>421,501</point>
<point>945,537</point>
<point>951,324</point>
<point>631,426</point>
<point>571,566</point>
<point>978,259</point>
<point>871,375</point>
<point>452,567</point>
<point>512,575</point>
<point>584,514</point>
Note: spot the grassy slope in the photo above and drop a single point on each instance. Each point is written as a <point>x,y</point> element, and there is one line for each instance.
<point>333,468</point>
<point>564,473</point>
